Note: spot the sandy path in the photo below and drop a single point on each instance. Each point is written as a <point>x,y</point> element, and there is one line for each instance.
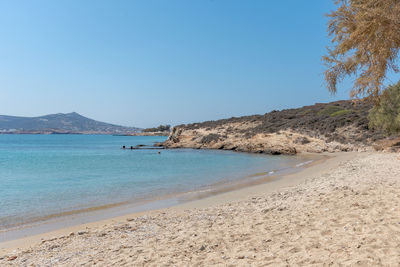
<point>349,214</point>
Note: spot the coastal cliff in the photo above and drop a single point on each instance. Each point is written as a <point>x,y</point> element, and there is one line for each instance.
<point>323,127</point>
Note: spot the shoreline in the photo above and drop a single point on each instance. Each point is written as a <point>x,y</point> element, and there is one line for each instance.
<point>239,192</point>
<point>53,222</point>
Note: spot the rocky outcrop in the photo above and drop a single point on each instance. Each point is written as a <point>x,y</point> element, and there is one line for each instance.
<point>283,142</point>
<point>388,145</point>
<point>331,127</point>
<point>149,134</point>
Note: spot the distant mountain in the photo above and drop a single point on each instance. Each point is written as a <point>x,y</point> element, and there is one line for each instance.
<point>60,123</point>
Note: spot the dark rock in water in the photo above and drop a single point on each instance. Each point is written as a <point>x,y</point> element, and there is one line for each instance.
<point>146,147</point>
<point>158,144</point>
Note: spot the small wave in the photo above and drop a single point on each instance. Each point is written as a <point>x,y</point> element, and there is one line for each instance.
<point>200,191</point>
<point>304,163</point>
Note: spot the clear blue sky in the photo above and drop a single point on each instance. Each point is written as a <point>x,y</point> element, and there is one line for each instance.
<point>143,63</point>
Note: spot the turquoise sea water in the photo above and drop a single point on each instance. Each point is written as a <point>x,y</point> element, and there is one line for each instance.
<point>43,175</point>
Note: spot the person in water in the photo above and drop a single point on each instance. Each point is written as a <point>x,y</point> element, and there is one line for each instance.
<point>123,147</point>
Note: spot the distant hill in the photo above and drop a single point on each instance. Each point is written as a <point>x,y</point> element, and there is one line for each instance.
<point>60,123</point>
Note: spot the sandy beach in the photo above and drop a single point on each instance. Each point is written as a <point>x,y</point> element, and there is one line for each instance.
<point>344,210</point>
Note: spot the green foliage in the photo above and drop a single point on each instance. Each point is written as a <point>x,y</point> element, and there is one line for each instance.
<point>386,114</point>
<point>161,128</point>
<point>329,110</point>
<point>341,112</point>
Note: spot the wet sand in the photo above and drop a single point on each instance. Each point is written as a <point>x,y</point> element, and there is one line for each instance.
<point>345,210</point>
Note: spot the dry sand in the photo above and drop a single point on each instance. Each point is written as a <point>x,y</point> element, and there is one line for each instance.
<point>342,212</point>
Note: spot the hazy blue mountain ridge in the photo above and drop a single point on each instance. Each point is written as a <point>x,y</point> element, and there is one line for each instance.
<point>60,123</point>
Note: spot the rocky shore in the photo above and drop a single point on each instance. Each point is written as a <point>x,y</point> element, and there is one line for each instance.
<point>148,134</point>
<point>329,127</point>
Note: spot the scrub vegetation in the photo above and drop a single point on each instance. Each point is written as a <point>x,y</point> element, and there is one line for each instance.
<point>386,114</point>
